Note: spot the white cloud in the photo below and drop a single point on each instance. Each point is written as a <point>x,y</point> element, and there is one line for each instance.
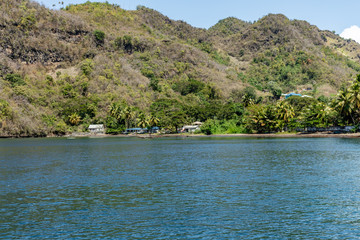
<point>352,32</point>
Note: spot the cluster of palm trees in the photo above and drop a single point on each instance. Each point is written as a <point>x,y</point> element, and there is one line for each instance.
<point>270,118</point>
<point>131,117</point>
<point>343,110</point>
<point>347,103</point>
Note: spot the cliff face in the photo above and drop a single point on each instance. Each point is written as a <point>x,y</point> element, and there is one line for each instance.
<point>59,66</point>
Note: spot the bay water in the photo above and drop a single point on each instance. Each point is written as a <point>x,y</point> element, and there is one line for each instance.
<point>180,188</point>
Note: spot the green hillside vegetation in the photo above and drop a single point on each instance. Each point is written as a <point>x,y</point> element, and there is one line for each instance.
<point>61,70</point>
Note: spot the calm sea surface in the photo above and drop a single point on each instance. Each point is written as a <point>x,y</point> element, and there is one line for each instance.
<point>180,188</point>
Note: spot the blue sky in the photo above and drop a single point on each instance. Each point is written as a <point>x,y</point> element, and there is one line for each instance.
<point>326,14</point>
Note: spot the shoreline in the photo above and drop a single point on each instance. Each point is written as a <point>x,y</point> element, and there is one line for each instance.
<point>272,135</point>
<point>240,135</point>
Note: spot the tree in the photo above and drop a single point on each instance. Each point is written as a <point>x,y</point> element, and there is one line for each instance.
<point>15,79</point>
<point>128,114</point>
<point>284,114</point>
<point>169,112</point>
<point>354,91</point>
<point>342,104</point>
<point>153,121</point>
<point>347,103</point>
<point>115,110</point>
<point>261,118</point>
<point>74,119</point>
<point>99,37</point>
<point>142,121</point>
<point>317,115</point>
<point>5,112</point>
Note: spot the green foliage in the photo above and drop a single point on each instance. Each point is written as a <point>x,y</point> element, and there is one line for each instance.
<point>68,91</point>
<point>317,115</point>
<point>50,80</point>
<point>5,112</point>
<point>83,107</point>
<point>99,37</point>
<point>28,21</point>
<point>212,126</point>
<point>87,66</point>
<point>49,120</point>
<point>115,131</point>
<point>208,127</point>
<point>185,87</point>
<point>347,103</point>
<point>221,58</point>
<point>261,119</point>
<point>276,93</point>
<point>4,108</point>
<point>300,103</point>
<point>15,79</point>
<point>284,69</point>
<point>130,44</point>
<point>169,112</point>
<point>181,67</point>
<point>353,65</point>
<point>61,128</point>
<point>154,84</point>
<point>206,47</point>
<point>74,119</point>
<point>154,81</point>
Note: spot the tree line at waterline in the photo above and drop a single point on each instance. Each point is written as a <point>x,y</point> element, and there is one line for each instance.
<point>244,112</point>
<point>249,114</point>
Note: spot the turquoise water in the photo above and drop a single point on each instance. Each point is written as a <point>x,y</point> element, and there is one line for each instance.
<point>180,188</point>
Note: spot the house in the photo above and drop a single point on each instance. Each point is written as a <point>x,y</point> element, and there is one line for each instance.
<point>191,128</point>
<point>155,129</point>
<point>97,128</point>
<point>292,94</point>
<point>134,130</point>
<point>141,130</point>
<point>197,124</point>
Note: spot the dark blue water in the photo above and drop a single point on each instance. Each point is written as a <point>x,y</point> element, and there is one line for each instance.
<point>192,188</point>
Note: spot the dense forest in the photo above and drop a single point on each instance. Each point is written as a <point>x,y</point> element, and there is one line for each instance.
<point>95,63</point>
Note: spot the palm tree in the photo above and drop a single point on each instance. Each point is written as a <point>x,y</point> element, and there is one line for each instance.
<point>317,115</point>
<point>115,111</point>
<point>285,113</point>
<point>262,118</point>
<point>153,121</point>
<point>128,115</point>
<point>142,121</point>
<point>354,91</point>
<point>342,104</point>
<point>74,119</point>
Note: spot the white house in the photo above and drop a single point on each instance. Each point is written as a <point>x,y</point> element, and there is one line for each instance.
<point>97,128</point>
<point>191,128</point>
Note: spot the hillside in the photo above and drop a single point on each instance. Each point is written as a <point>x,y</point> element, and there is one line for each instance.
<point>61,70</point>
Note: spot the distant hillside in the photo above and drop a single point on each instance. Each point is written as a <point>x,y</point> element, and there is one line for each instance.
<point>62,70</point>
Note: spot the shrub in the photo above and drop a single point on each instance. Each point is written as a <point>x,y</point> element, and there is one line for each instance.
<point>186,87</point>
<point>68,91</point>
<point>87,66</point>
<point>206,128</point>
<point>99,37</point>
<point>15,79</point>
<point>5,110</point>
